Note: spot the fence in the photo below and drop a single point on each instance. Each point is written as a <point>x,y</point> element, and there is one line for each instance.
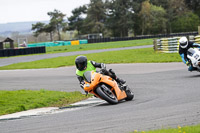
<point>21,51</point>
<point>111,39</point>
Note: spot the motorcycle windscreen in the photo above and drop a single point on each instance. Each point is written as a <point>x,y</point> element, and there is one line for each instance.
<point>190,52</point>
<point>87,76</point>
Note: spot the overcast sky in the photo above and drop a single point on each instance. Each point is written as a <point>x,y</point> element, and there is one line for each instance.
<point>35,10</point>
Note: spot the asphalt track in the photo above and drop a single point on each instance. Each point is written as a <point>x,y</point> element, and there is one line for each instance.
<point>166,95</point>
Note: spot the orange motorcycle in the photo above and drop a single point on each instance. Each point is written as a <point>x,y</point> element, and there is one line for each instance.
<point>106,88</point>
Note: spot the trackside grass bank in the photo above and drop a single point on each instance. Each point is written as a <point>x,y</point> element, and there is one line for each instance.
<point>93,46</point>
<point>179,129</point>
<point>146,55</point>
<point>21,100</point>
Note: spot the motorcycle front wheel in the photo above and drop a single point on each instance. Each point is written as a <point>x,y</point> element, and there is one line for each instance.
<point>129,94</point>
<point>106,94</point>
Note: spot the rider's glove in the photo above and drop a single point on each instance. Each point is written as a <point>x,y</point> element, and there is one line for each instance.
<point>187,63</point>
<point>103,66</point>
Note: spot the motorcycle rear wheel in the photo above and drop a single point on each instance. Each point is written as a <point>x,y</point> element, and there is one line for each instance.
<point>107,95</point>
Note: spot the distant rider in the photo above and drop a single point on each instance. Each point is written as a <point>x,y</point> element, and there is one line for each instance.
<point>83,65</point>
<point>183,48</point>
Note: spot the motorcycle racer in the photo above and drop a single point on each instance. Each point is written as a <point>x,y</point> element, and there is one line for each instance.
<point>83,65</point>
<point>183,48</point>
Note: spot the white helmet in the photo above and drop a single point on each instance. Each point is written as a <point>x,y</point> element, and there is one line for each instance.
<point>183,42</point>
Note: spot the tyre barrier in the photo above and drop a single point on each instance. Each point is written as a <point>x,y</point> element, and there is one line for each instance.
<point>167,45</point>
<point>22,51</point>
<point>75,42</point>
<point>58,43</point>
<point>171,45</point>
<point>197,39</point>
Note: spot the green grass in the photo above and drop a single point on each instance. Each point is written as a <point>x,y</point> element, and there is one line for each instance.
<point>186,129</point>
<point>93,46</point>
<point>146,55</point>
<point>105,45</point>
<point>21,100</point>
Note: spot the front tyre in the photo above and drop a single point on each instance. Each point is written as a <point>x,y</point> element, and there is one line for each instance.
<point>105,93</point>
<point>129,94</point>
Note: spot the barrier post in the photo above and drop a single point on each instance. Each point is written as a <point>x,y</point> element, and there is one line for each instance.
<point>1,45</point>
<point>155,45</point>
<point>199,30</point>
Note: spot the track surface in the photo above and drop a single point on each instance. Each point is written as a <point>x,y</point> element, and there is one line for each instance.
<point>165,95</point>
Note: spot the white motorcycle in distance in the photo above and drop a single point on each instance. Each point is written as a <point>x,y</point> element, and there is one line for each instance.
<point>193,54</point>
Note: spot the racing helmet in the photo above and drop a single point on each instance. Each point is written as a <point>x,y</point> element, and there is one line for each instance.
<point>183,42</point>
<point>81,62</point>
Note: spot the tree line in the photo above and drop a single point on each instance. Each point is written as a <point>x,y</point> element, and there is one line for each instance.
<point>122,18</point>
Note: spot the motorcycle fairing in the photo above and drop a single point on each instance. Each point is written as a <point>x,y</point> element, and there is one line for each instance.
<point>97,78</point>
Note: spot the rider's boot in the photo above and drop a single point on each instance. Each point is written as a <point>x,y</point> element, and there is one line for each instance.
<point>113,75</point>
<point>191,69</point>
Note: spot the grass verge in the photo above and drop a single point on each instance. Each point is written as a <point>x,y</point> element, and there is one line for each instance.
<point>146,55</point>
<point>93,46</point>
<point>186,129</point>
<point>21,100</point>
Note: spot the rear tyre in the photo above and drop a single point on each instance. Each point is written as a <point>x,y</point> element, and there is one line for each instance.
<point>129,94</point>
<point>105,93</point>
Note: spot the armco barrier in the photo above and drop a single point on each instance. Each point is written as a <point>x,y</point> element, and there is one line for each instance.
<point>22,51</point>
